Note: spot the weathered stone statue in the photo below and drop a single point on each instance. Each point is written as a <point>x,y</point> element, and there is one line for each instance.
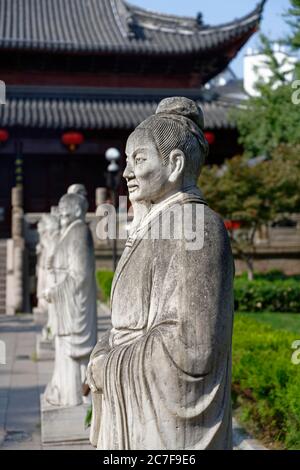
<point>49,230</point>
<point>160,379</point>
<point>42,305</point>
<point>50,240</point>
<point>73,297</point>
<point>80,189</point>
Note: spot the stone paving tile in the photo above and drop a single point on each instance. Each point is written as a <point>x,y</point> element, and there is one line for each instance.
<point>19,419</point>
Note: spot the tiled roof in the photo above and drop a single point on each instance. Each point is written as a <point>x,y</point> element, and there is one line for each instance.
<point>103,26</point>
<point>97,109</point>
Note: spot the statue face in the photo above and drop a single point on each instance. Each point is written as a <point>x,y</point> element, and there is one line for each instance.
<point>146,176</point>
<point>41,226</point>
<point>52,225</point>
<point>67,215</point>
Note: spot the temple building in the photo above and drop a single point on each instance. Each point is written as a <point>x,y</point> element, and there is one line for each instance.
<point>81,74</point>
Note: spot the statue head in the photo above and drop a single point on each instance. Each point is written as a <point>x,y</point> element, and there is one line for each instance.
<point>41,227</point>
<point>71,207</point>
<point>79,189</point>
<point>52,223</point>
<point>54,211</point>
<point>166,152</point>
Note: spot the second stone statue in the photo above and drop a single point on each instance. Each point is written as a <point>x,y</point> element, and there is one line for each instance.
<point>73,300</point>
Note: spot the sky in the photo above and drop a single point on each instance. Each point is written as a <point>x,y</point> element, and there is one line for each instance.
<point>220,11</point>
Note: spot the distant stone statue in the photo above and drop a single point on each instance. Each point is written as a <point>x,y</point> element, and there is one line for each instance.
<point>161,378</point>
<point>73,296</point>
<point>42,305</point>
<point>50,239</point>
<point>80,189</point>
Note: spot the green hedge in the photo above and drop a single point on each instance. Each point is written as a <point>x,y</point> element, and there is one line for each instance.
<point>272,275</point>
<point>271,292</point>
<point>279,295</point>
<point>104,279</point>
<point>265,382</point>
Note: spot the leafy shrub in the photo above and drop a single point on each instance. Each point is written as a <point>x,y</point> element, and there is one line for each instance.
<point>104,279</point>
<point>88,417</point>
<point>272,275</point>
<point>265,382</point>
<point>278,295</point>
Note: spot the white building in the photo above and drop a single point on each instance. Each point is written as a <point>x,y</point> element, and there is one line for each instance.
<point>256,67</point>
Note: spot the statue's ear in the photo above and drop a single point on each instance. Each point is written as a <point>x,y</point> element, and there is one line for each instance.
<point>78,212</point>
<point>177,164</point>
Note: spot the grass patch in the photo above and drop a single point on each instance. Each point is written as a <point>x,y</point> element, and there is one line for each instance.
<point>278,321</point>
<point>265,383</point>
<point>104,281</point>
<point>88,417</point>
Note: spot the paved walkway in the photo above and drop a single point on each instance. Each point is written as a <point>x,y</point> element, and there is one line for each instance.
<point>19,385</point>
<point>23,379</point>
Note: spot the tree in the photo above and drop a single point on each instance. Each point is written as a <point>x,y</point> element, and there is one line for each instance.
<point>270,119</point>
<point>268,126</point>
<point>293,19</point>
<point>254,194</point>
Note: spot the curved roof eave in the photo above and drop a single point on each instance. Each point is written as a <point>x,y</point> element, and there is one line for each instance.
<point>113,26</point>
<point>161,19</point>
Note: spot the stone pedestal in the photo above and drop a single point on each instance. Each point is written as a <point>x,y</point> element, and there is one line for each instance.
<point>44,348</point>
<point>61,425</point>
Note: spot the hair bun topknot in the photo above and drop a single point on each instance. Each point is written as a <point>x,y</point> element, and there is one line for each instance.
<point>184,107</point>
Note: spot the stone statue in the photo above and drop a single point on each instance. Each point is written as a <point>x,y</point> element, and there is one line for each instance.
<point>161,378</point>
<point>80,189</point>
<point>42,305</point>
<point>73,296</point>
<point>77,188</point>
<point>50,240</point>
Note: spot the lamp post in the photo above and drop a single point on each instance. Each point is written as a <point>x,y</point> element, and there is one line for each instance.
<point>112,155</point>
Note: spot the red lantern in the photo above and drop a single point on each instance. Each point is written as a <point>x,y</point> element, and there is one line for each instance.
<point>236,224</point>
<point>4,135</point>
<point>72,140</point>
<point>210,137</point>
<point>232,224</point>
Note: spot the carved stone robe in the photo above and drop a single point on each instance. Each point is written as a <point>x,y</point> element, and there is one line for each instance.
<point>52,241</point>
<point>74,305</point>
<point>41,273</point>
<point>167,366</point>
